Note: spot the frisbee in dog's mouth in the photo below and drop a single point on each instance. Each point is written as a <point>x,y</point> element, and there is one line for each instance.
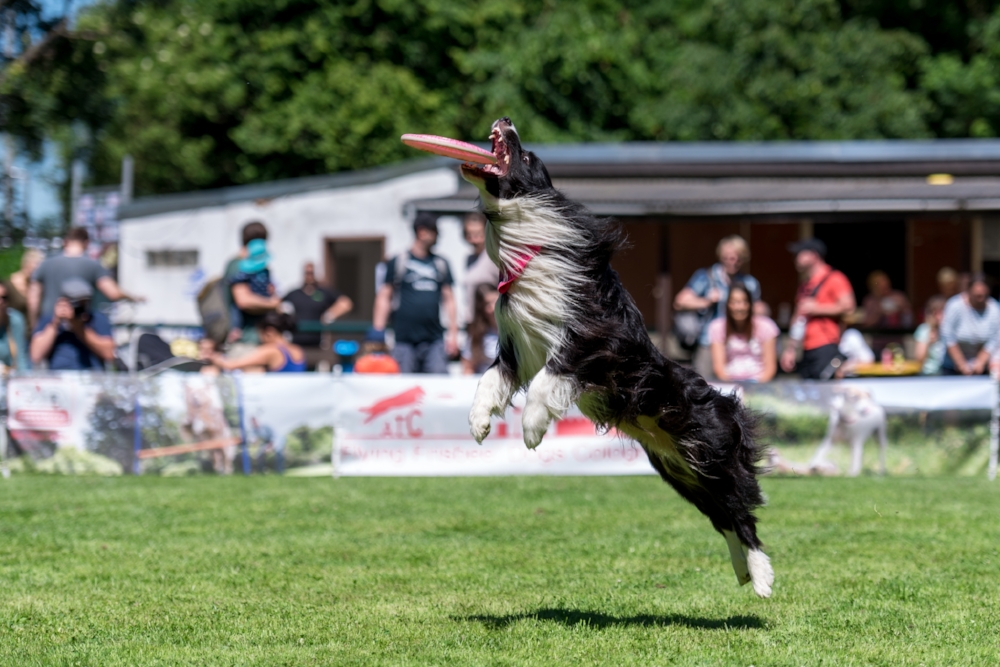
<point>449,148</point>
<point>477,160</point>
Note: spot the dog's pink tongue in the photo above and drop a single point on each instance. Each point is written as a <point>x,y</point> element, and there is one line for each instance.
<point>449,148</point>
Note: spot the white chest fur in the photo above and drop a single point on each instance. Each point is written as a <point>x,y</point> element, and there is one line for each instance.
<point>533,316</point>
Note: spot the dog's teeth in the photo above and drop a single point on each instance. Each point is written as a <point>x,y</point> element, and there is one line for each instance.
<point>506,159</point>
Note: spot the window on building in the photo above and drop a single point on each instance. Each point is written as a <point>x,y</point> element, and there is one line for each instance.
<point>171,258</point>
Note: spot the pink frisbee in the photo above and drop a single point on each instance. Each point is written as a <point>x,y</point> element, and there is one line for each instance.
<point>449,148</point>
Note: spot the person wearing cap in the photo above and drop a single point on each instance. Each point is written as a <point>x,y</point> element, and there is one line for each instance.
<point>706,294</point>
<point>251,288</point>
<point>417,284</point>
<point>825,296</point>
<point>47,279</point>
<point>73,337</point>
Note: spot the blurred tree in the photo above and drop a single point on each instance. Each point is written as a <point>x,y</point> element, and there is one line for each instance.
<point>220,92</point>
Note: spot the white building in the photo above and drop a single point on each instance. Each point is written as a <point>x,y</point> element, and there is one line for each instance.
<point>346,223</point>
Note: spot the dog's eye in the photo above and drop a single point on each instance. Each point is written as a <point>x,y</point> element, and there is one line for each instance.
<point>526,159</point>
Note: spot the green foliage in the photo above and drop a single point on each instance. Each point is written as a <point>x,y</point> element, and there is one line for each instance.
<point>221,92</point>
<point>10,260</point>
<point>307,446</point>
<point>490,571</point>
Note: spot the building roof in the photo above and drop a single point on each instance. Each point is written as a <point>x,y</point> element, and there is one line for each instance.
<point>775,158</point>
<point>758,196</point>
<point>700,178</point>
<point>184,201</point>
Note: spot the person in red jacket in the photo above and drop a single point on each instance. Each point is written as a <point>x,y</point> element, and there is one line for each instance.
<point>825,296</point>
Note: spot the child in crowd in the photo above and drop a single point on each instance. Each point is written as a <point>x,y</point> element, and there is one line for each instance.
<point>930,349</point>
<point>253,269</point>
<point>374,355</point>
<point>481,348</point>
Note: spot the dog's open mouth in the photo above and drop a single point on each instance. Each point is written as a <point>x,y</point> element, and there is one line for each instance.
<point>500,151</point>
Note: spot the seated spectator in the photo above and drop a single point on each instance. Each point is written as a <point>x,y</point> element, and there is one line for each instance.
<point>73,337</point>
<point>930,349</point>
<point>374,357</point>
<point>313,303</point>
<point>884,307</point>
<point>483,335</point>
<point>13,350</point>
<point>744,346</point>
<point>207,348</point>
<point>274,354</point>
<point>970,329</point>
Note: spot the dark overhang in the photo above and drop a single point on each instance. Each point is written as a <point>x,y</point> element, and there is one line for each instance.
<point>697,197</point>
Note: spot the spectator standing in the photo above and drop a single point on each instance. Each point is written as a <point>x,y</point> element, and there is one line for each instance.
<point>313,303</point>
<point>930,349</point>
<point>948,282</point>
<point>13,349</point>
<point>970,329</point>
<point>246,306</point>
<point>479,268</point>
<point>417,284</point>
<point>252,289</point>
<point>374,357</point>
<point>825,296</point>
<point>19,283</point>
<point>51,274</point>
<point>705,296</point>
<point>744,345</point>
<point>274,354</point>
<point>484,337</point>
<point>73,337</point>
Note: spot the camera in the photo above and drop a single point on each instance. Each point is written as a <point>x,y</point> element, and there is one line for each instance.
<point>81,310</point>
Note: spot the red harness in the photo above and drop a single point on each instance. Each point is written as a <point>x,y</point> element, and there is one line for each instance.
<point>508,276</point>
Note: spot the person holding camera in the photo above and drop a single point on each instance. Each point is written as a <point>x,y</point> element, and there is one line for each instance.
<point>73,337</point>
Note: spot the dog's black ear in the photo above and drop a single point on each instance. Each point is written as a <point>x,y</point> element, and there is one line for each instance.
<point>536,168</point>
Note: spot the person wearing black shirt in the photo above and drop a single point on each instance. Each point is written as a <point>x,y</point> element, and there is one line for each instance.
<point>313,303</point>
<point>418,284</point>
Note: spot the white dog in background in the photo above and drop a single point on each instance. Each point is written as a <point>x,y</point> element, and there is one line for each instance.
<point>854,417</point>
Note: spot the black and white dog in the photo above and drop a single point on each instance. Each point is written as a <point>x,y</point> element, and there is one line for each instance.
<point>571,332</point>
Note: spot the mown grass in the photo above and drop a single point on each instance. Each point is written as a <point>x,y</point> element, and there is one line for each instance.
<point>504,571</point>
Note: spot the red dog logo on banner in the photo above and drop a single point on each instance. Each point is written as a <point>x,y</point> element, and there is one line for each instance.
<point>405,399</point>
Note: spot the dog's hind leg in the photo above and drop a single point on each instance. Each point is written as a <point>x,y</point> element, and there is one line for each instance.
<point>738,556</point>
<point>492,397</point>
<point>549,397</point>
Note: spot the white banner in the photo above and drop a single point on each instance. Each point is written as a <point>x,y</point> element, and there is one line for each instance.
<point>417,425</point>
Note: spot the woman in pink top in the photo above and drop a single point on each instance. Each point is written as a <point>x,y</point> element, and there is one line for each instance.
<point>744,345</point>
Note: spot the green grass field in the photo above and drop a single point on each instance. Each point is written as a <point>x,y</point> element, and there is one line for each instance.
<point>503,571</point>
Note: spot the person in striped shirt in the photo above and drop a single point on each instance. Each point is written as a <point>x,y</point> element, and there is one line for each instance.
<point>970,329</point>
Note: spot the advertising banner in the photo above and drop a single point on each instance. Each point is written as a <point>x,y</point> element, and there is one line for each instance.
<point>417,425</point>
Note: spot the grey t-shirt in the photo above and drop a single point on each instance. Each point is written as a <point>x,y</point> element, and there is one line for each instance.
<point>54,271</point>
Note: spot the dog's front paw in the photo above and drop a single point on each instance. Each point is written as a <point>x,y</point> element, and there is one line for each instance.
<point>534,423</point>
<point>479,424</point>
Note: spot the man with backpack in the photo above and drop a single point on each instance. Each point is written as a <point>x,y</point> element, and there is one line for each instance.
<point>825,296</point>
<point>417,284</point>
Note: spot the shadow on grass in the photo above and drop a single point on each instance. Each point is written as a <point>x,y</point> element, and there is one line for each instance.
<point>598,620</point>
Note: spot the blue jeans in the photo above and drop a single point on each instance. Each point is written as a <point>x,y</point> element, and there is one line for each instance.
<point>426,357</point>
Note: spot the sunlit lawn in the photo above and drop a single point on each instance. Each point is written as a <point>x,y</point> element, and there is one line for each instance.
<point>504,571</point>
